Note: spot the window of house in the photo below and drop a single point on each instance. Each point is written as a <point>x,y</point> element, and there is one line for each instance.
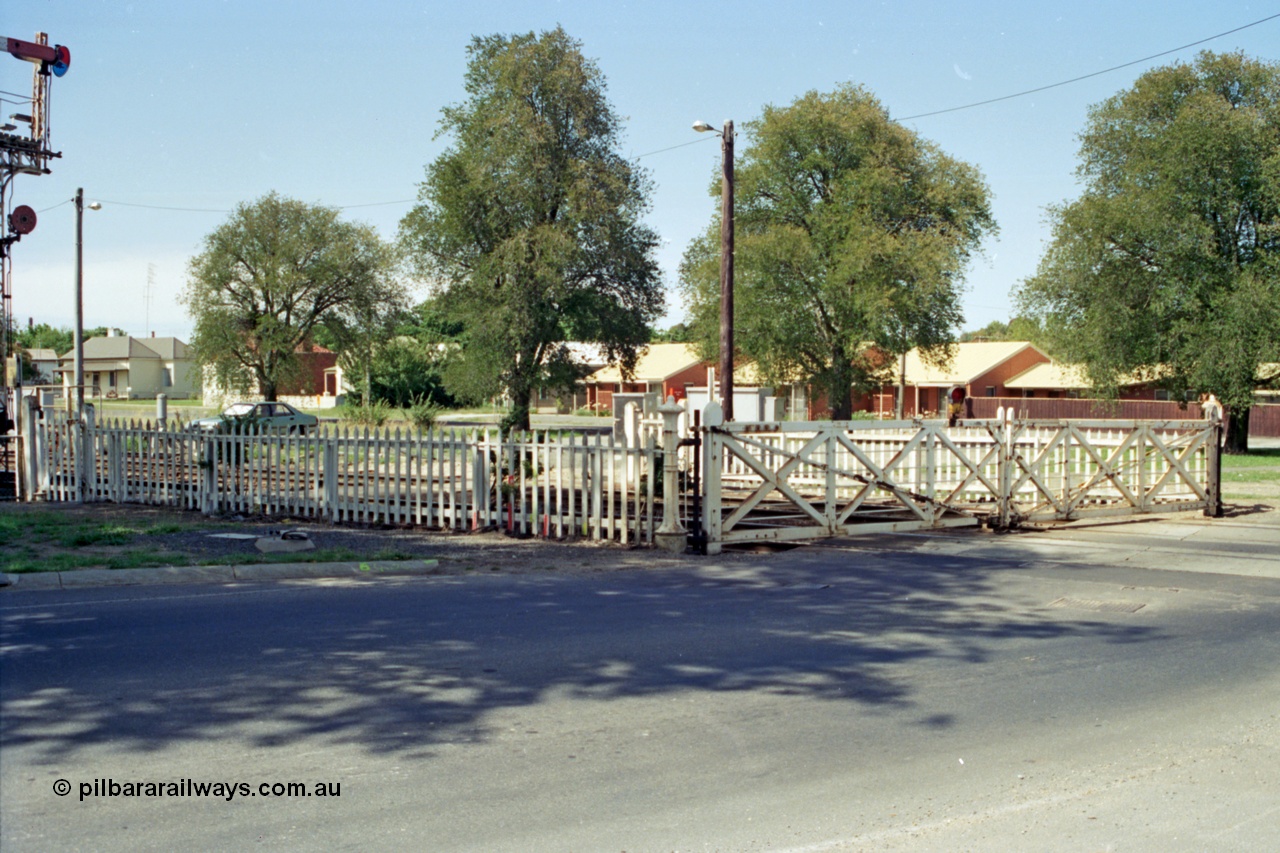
<point>167,379</point>
<point>991,390</point>
<point>111,379</point>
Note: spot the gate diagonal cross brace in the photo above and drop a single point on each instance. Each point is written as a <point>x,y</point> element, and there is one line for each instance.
<point>1176,462</point>
<point>738,444</point>
<point>1106,468</point>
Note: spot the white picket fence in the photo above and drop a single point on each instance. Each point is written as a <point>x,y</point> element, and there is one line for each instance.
<point>761,481</point>
<point>562,486</point>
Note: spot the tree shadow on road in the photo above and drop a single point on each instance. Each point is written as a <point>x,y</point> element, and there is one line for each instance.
<point>403,666</point>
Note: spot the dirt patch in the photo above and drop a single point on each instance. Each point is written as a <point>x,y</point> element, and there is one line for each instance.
<point>148,536</point>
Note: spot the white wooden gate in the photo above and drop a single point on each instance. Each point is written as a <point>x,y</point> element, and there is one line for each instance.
<point>795,481</point>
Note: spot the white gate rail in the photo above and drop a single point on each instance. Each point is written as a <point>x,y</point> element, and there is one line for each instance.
<point>795,481</point>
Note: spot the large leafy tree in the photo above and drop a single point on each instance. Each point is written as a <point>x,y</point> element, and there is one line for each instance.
<point>269,276</point>
<point>1167,264</point>
<point>852,236</point>
<point>529,224</point>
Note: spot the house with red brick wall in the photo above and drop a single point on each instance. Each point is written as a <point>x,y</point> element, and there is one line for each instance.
<point>663,369</point>
<point>980,369</point>
<point>318,377</point>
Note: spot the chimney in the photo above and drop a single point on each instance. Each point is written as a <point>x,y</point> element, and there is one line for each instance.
<point>153,334</point>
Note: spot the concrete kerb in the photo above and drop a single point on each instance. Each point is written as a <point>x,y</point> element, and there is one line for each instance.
<point>81,578</point>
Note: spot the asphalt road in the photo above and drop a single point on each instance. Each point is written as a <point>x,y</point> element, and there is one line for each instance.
<point>1079,691</point>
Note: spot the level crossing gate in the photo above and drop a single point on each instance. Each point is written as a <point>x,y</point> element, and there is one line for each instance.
<point>784,482</point>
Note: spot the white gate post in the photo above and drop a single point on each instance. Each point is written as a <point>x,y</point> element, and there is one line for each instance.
<point>713,453</point>
<point>330,469</point>
<point>30,467</point>
<point>671,535</point>
<point>83,447</point>
<point>1005,431</point>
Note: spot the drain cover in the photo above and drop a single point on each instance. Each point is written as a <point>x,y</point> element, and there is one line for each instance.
<point>1099,606</point>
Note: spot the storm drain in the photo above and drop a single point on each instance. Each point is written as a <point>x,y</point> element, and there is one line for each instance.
<point>1098,606</point>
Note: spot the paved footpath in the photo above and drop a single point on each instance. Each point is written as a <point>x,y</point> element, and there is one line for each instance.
<point>1246,545</point>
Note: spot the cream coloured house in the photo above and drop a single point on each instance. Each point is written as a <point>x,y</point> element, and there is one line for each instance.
<point>124,367</point>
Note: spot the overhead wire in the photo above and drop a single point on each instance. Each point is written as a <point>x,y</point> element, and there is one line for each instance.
<point>1087,76</point>
<point>973,105</point>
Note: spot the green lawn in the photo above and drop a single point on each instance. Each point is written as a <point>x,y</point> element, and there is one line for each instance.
<point>1253,476</point>
<point>51,541</point>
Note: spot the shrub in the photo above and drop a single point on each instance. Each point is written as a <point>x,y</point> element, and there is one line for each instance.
<point>366,414</point>
<point>423,413</point>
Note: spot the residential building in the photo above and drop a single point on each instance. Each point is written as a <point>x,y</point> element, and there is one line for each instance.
<point>662,369</point>
<point>128,368</point>
<point>980,369</point>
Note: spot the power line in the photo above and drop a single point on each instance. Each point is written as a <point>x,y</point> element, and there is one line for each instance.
<point>1087,76</point>
<point>674,147</point>
<point>158,207</point>
<point>216,210</point>
<point>706,138</point>
<point>377,204</point>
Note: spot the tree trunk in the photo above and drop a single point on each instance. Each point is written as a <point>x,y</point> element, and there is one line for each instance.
<point>840,387</point>
<point>521,391</point>
<point>1237,430</point>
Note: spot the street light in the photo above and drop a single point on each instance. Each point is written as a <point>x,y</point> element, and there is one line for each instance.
<point>78,357</point>
<point>726,265</point>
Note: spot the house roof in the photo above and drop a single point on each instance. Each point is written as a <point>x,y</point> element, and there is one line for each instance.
<point>124,348</point>
<point>1051,374</point>
<point>969,361</point>
<point>656,363</point>
<point>1071,377</point>
<point>170,349</point>
<point>42,354</point>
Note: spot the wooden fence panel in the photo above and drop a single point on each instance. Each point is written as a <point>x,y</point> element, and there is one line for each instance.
<point>535,484</point>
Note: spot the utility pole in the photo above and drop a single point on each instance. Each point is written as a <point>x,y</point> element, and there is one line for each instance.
<point>78,358</point>
<point>726,274</point>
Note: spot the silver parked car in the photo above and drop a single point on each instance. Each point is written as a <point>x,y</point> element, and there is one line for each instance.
<point>267,416</point>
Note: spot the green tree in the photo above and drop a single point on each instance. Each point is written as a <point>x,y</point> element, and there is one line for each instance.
<point>851,231</point>
<point>409,368</point>
<point>1166,265</point>
<point>44,336</point>
<point>268,277</point>
<point>529,224</point>
<point>1017,329</point>
<point>680,333</point>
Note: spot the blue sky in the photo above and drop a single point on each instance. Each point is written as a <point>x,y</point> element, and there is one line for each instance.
<point>203,105</point>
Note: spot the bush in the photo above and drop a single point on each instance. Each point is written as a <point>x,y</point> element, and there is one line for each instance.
<point>366,414</point>
<point>423,413</point>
